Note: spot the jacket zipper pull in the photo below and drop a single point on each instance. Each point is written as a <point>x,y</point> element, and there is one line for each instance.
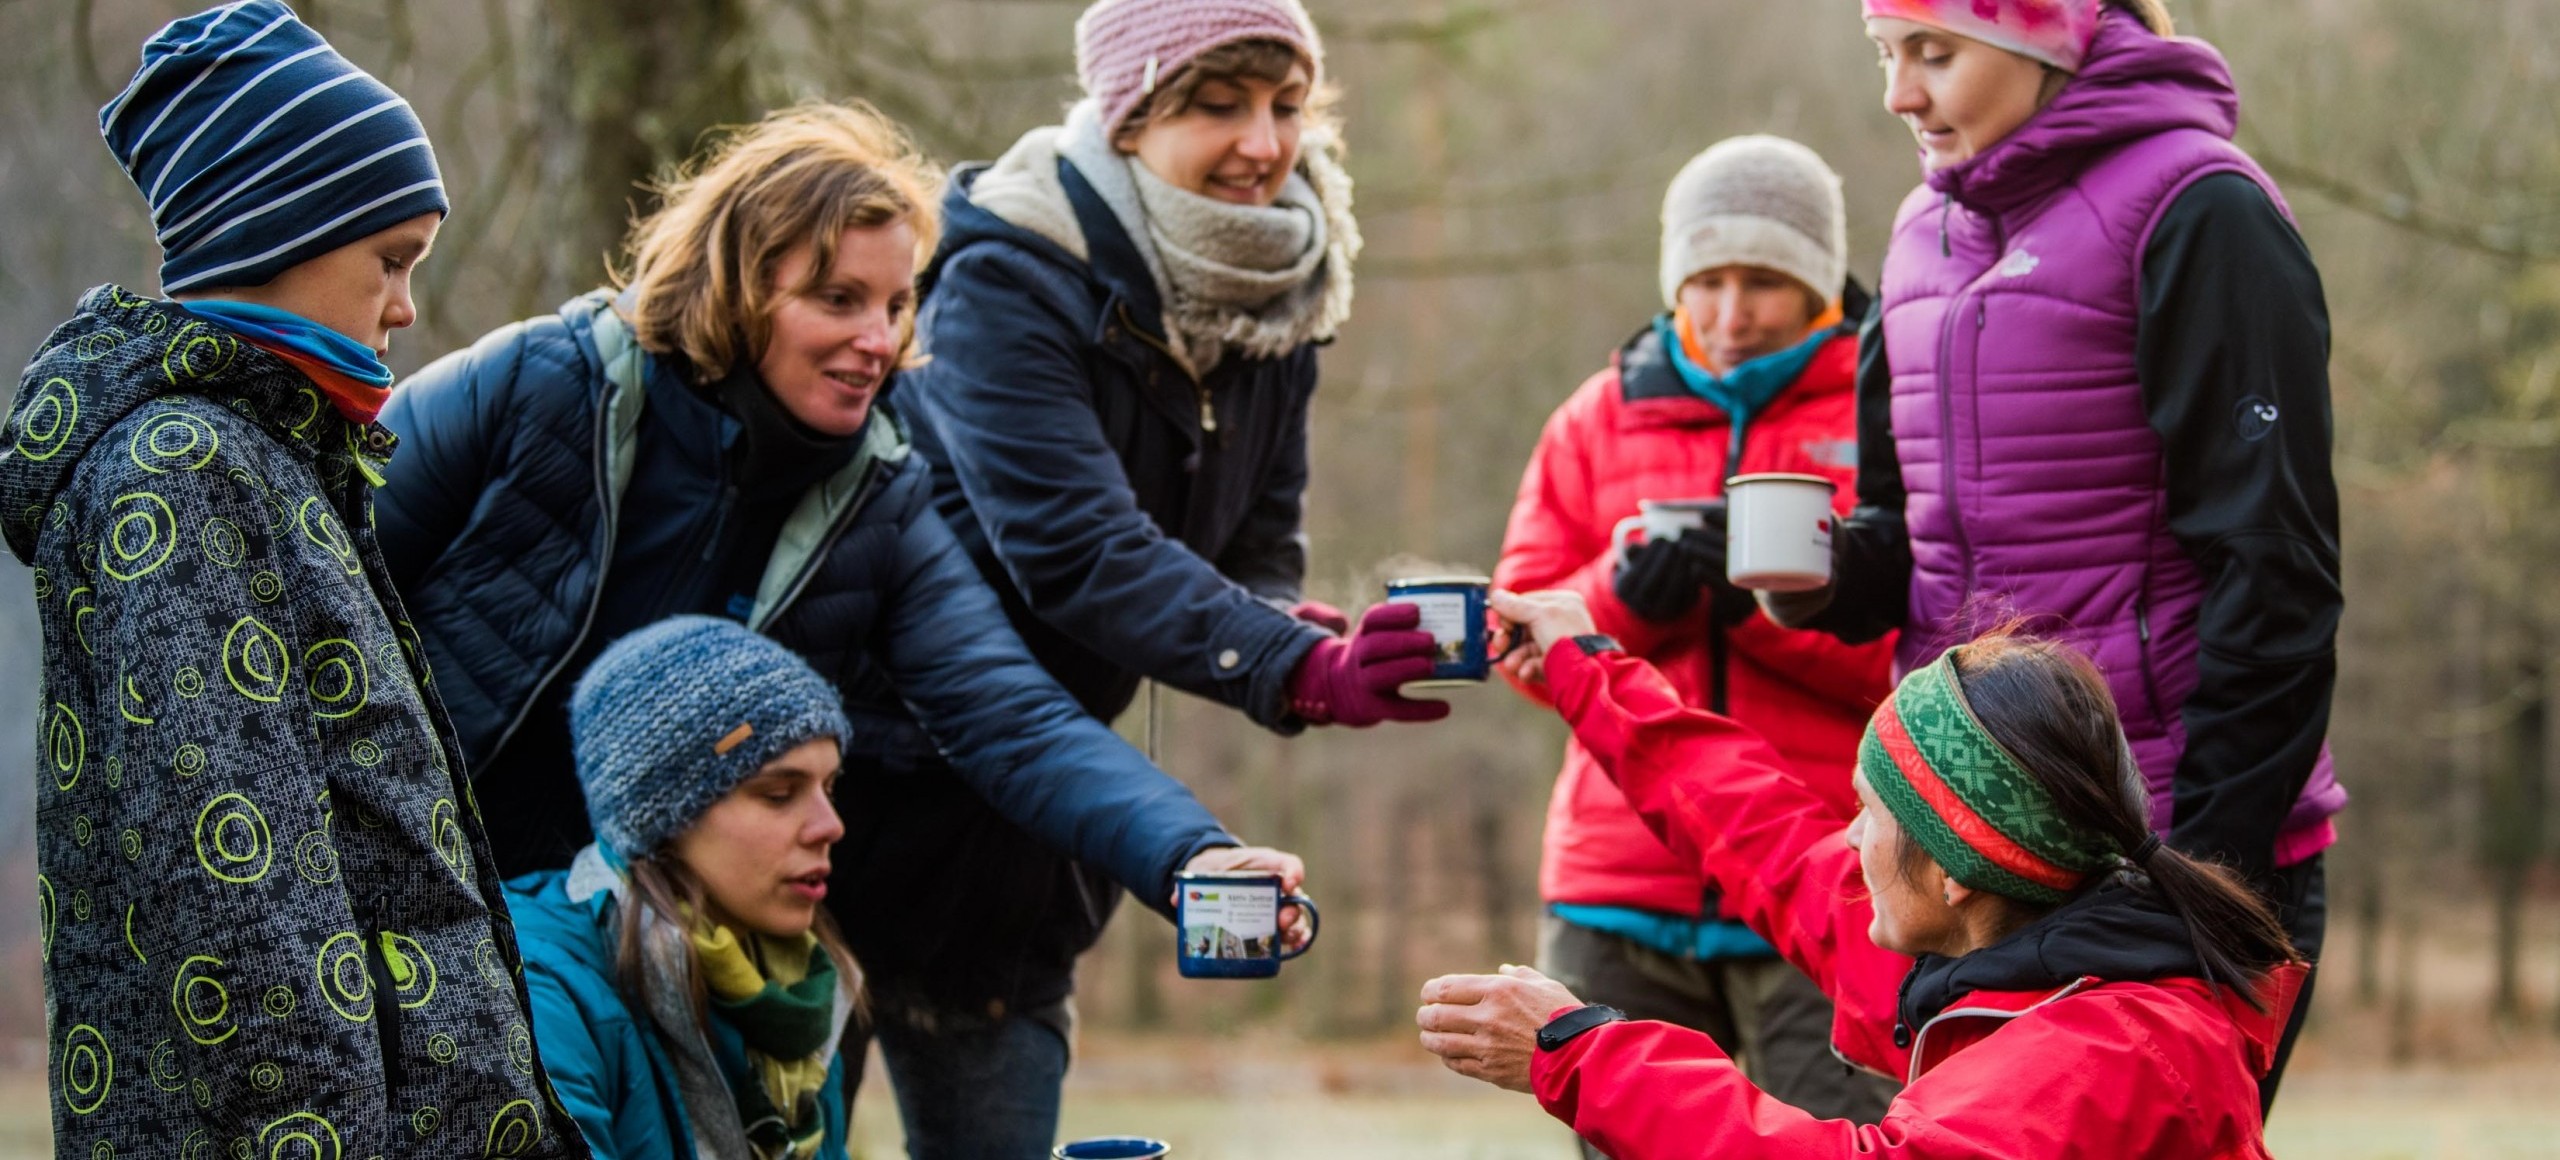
<point>2142,624</point>
<point>1208,412</point>
<point>1946,209</point>
<point>1981,314</point>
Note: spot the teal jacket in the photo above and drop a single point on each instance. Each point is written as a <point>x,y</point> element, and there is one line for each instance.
<point>616,1069</point>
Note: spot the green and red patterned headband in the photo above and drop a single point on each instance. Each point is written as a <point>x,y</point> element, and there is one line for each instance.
<point>1966,800</point>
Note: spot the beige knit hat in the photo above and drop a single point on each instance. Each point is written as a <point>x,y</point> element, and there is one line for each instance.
<point>1756,201</point>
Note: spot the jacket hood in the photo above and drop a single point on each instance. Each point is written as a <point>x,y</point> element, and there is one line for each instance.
<point>2117,933</point>
<point>1115,264</point>
<point>116,355</point>
<point>2135,84</point>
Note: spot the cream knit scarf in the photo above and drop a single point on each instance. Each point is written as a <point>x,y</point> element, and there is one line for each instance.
<point>1253,281</point>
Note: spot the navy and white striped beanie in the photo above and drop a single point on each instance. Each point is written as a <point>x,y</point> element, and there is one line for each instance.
<point>260,148</point>
<point>671,718</point>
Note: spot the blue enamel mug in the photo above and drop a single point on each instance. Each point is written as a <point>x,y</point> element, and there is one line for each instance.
<point>1453,612</point>
<point>1227,924</point>
<point>1112,1148</point>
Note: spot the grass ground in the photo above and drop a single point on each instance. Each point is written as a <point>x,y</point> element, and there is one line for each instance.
<point>2445,1084</point>
<point>1350,1104</point>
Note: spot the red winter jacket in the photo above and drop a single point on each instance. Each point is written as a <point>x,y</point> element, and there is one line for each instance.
<point>1634,432</point>
<point>2165,1070</point>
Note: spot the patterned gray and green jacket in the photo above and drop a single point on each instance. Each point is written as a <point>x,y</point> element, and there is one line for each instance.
<point>271,924</point>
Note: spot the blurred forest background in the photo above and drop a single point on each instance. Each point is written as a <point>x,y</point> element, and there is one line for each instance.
<point>1510,156</point>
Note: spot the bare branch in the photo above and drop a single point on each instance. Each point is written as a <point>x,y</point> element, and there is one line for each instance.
<point>84,55</point>
<point>1482,264</point>
<point>1540,190</point>
<point>1459,24</point>
<point>2500,241</point>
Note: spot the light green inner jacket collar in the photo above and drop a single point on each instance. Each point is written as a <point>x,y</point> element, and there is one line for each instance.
<point>813,523</point>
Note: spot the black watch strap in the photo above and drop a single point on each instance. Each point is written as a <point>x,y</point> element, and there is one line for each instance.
<point>1595,643</point>
<point>1561,1030</point>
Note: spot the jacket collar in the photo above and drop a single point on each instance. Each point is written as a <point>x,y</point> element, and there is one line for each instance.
<point>2135,84</point>
<point>1645,373</point>
<point>819,514</point>
<point>702,1083</point>
<point>123,352</point>
<point>1114,265</point>
<point>2113,932</point>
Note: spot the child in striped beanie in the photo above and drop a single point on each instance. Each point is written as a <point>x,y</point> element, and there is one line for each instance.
<point>291,192</point>
<point>291,857</point>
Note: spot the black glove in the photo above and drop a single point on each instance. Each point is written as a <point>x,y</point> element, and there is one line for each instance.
<point>1662,582</point>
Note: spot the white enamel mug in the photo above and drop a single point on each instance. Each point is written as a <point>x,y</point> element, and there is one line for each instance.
<point>1778,532</point>
<point>1662,520</point>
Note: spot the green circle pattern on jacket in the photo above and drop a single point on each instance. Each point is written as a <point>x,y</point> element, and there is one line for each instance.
<point>229,673</point>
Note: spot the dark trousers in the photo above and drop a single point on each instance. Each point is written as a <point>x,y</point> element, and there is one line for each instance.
<point>973,1085</point>
<point>1761,1011</point>
<point>2301,896</point>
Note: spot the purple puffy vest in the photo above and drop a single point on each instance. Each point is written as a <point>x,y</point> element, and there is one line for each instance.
<point>2011,294</point>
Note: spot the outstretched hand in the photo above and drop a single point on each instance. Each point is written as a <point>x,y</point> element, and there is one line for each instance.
<point>1549,618</point>
<point>1486,1026</point>
<point>1296,929</point>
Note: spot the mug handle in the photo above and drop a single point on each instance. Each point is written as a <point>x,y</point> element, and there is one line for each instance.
<point>1315,924</point>
<point>1626,529</point>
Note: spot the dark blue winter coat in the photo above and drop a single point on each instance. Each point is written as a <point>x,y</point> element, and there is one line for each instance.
<point>971,777</point>
<point>1138,522</point>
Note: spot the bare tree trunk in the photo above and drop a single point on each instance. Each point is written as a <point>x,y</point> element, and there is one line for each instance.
<point>628,94</point>
<point>1393,912</point>
<point>2370,917</point>
<point>1424,350</point>
<point>1146,993</point>
<point>1491,854</point>
<point>2403,1039</point>
<point>2512,833</point>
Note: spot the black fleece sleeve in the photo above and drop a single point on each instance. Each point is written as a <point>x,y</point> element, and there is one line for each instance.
<point>2233,353</point>
<point>1871,550</point>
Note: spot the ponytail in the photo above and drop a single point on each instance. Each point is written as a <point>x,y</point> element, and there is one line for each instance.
<point>2154,14</point>
<point>2236,936</point>
<point>2049,707</point>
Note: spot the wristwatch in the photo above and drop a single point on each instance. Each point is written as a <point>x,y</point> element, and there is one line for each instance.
<point>1595,643</point>
<point>1561,1029</point>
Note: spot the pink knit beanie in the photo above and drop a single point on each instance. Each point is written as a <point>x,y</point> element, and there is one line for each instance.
<point>2056,32</point>
<point>1125,48</point>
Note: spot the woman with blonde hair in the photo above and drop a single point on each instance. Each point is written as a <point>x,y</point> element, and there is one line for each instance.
<point>716,438</point>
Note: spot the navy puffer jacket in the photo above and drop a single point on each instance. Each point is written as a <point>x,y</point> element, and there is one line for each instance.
<point>1138,522</point>
<point>971,777</point>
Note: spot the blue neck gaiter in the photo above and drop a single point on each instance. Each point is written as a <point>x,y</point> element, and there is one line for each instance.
<point>298,334</point>
<point>1746,390</point>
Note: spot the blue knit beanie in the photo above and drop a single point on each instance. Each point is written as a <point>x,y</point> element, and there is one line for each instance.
<point>260,148</point>
<point>672,717</point>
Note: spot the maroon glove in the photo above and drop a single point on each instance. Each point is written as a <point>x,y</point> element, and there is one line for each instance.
<point>1354,682</point>
<point>1322,615</point>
